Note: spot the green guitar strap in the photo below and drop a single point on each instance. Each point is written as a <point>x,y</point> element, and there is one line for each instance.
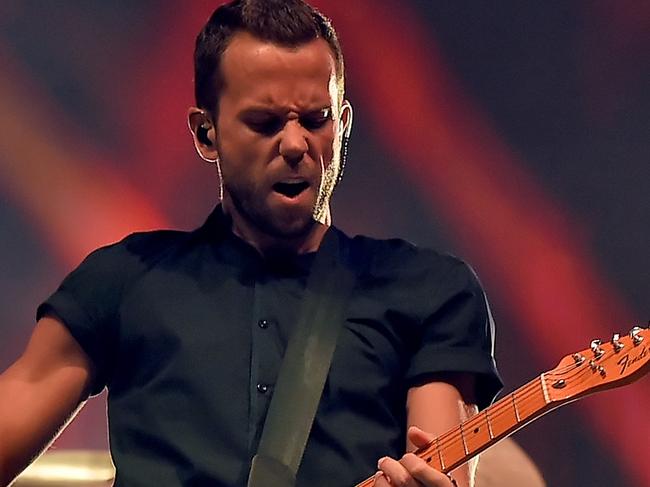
<point>304,369</point>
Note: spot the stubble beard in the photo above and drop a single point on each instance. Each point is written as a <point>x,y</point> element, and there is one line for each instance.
<point>289,225</point>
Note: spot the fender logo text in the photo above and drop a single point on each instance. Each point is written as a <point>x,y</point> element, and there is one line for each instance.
<point>625,362</point>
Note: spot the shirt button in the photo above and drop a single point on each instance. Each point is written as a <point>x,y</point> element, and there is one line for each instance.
<point>263,324</point>
<point>262,388</point>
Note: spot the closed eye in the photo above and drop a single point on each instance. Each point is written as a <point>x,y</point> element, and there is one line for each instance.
<point>269,126</point>
<point>314,123</point>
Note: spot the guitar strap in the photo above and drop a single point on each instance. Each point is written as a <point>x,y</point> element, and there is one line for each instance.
<point>304,369</point>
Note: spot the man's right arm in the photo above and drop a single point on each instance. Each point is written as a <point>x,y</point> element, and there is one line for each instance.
<point>39,393</point>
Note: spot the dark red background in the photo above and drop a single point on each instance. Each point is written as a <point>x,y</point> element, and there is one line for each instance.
<point>514,134</point>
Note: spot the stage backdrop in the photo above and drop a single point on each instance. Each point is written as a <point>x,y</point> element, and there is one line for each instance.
<point>513,134</point>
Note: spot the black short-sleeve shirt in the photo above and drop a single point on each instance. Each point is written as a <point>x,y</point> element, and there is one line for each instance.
<point>187,331</point>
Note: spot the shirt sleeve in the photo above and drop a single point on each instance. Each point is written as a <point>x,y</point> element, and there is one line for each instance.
<point>87,303</point>
<point>457,334</point>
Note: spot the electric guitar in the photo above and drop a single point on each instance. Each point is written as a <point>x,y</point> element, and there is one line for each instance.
<point>602,366</point>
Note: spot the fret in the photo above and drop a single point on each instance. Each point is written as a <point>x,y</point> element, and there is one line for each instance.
<point>462,437</point>
<point>503,418</point>
<point>489,423</point>
<point>480,431</point>
<point>514,405</point>
<point>531,400</point>
<point>477,434</point>
<point>431,454</point>
<point>451,447</point>
<point>442,462</point>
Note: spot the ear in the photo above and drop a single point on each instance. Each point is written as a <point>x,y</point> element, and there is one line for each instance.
<point>203,132</point>
<point>345,121</point>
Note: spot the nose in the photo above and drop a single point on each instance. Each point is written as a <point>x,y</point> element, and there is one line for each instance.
<point>293,144</point>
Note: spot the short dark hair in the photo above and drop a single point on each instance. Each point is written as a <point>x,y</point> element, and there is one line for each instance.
<point>284,22</point>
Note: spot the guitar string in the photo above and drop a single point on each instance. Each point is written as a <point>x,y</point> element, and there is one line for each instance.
<point>504,405</point>
<point>498,410</point>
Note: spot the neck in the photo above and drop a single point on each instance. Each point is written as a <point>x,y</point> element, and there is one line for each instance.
<point>268,244</point>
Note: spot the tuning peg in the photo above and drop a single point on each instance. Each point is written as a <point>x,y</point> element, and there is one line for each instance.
<point>618,346</point>
<point>595,347</point>
<point>635,335</point>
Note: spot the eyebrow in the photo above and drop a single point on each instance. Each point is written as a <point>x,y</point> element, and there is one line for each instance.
<point>265,110</point>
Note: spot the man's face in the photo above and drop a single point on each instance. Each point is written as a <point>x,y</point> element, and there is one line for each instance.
<point>276,133</point>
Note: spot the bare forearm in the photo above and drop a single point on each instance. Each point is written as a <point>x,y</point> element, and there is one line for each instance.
<point>437,407</point>
<point>39,393</point>
<point>15,450</point>
<point>19,443</point>
<point>28,422</point>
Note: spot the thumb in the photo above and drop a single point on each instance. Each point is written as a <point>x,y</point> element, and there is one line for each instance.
<point>418,437</point>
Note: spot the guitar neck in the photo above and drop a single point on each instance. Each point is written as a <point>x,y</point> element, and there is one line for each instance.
<point>471,437</point>
<point>602,366</point>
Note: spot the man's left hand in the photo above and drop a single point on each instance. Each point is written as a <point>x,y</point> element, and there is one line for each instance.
<point>410,470</point>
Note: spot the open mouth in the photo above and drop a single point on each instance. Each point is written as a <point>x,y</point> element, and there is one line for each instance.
<point>291,189</point>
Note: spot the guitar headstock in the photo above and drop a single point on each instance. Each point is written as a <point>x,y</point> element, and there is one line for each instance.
<point>603,365</point>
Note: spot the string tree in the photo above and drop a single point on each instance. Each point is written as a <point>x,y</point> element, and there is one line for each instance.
<point>578,358</point>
